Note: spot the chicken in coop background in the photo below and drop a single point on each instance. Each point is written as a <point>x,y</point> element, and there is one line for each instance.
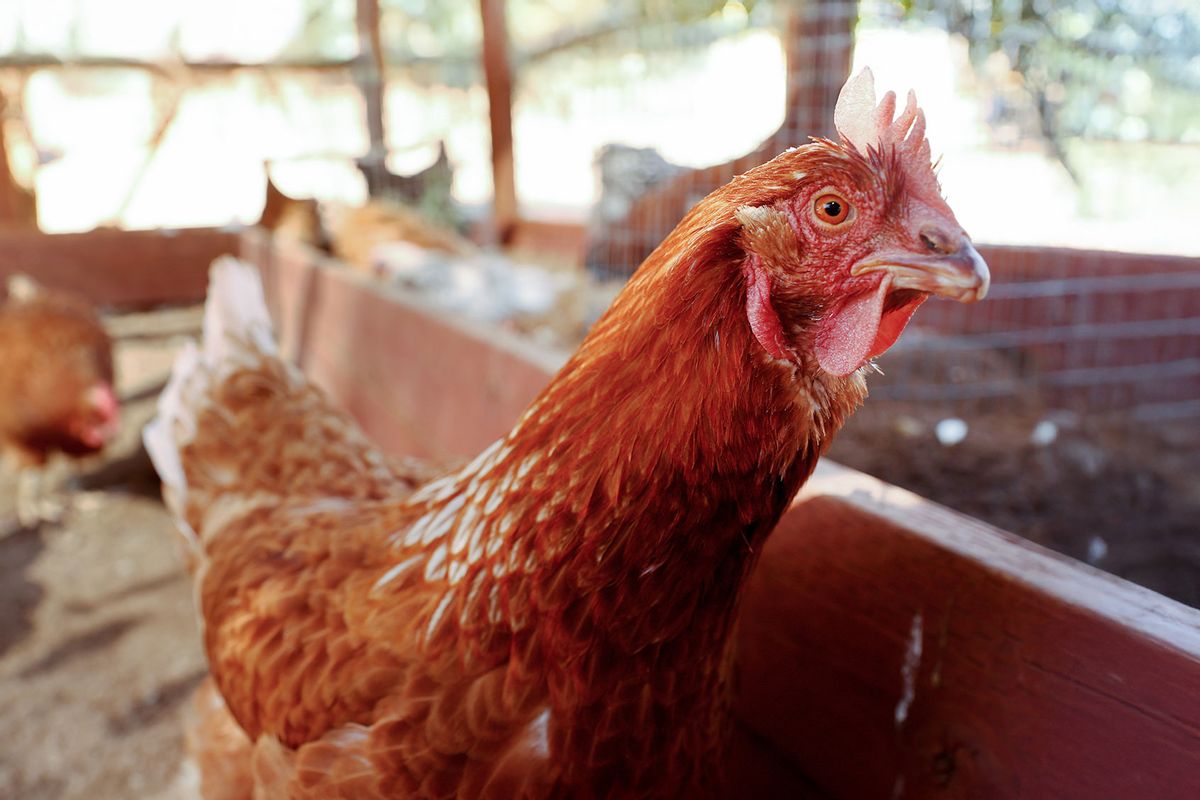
<point>57,387</point>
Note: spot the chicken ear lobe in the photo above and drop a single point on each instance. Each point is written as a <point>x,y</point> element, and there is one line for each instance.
<point>767,238</point>
<point>764,321</point>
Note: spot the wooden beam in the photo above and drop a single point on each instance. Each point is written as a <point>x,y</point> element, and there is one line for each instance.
<point>169,68</point>
<point>330,321</point>
<point>128,269</point>
<point>498,73</point>
<point>896,648</point>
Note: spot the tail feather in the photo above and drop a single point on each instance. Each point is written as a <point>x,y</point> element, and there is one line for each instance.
<point>175,424</point>
<point>235,314</point>
<point>224,439</point>
<point>237,330</point>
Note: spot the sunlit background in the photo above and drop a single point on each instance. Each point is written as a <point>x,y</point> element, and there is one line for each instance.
<point>1075,126</point>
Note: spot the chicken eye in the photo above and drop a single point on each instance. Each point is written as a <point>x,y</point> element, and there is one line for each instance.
<point>831,209</point>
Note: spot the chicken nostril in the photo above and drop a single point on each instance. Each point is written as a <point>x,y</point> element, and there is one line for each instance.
<point>936,241</point>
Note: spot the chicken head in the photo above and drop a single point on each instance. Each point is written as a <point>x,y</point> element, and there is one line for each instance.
<point>837,266</point>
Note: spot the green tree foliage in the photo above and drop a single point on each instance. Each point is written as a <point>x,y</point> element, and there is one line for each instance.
<point>1099,69</point>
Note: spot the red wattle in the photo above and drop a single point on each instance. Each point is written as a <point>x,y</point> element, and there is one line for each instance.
<point>859,330</point>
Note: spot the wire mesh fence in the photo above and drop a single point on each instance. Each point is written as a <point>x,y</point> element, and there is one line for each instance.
<point>625,114</point>
<point>1085,329</point>
<point>1094,332</point>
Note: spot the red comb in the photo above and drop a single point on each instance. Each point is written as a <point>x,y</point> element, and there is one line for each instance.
<point>863,124</point>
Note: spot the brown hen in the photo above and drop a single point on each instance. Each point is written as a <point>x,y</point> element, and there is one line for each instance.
<point>56,385</point>
<point>554,618</point>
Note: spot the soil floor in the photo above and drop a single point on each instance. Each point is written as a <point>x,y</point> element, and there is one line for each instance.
<point>1119,494</point>
<point>99,646</point>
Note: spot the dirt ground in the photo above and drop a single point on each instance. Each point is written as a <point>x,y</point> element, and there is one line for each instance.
<point>1119,494</point>
<point>99,649</point>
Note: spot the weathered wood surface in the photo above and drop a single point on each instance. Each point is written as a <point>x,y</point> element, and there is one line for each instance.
<point>1030,675</point>
<point>1034,677</point>
<point>111,267</point>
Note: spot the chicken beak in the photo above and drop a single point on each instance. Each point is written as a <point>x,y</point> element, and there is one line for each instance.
<point>957,272</point>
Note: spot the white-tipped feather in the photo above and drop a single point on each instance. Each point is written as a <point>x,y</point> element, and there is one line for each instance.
<point>173,425</point>
<point>235,313</point>
<point>237,329</point>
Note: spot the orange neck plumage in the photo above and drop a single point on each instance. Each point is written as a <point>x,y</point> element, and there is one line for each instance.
<point>626,508</point>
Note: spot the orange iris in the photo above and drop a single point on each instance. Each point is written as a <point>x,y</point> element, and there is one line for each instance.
<point>831,209</point>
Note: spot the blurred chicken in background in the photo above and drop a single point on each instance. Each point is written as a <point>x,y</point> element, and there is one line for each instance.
<point>429,190</point>
<point>292,218</point>
<point>402,245</point>
<point>354,232</point>
<point>56,387</point>
<point>399,245</point>
<point>351,233</point>
<point>552,306</point>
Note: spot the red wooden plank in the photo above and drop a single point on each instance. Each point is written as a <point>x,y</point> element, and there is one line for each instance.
<point>1036,676</point>
<point>119,268</point>
<point>420,382</point>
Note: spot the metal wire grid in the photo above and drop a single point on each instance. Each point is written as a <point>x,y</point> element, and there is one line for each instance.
<point>1120,343</point>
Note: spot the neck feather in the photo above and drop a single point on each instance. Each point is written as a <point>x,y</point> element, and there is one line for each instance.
<point>606,538</point>
<point>638,487</point>
<point>602,544</point>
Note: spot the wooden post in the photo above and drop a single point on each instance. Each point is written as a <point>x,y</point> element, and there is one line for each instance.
<point>498,73</point>
<point>18,205</point>
<point>369,75</point>
<point>819,41</point>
